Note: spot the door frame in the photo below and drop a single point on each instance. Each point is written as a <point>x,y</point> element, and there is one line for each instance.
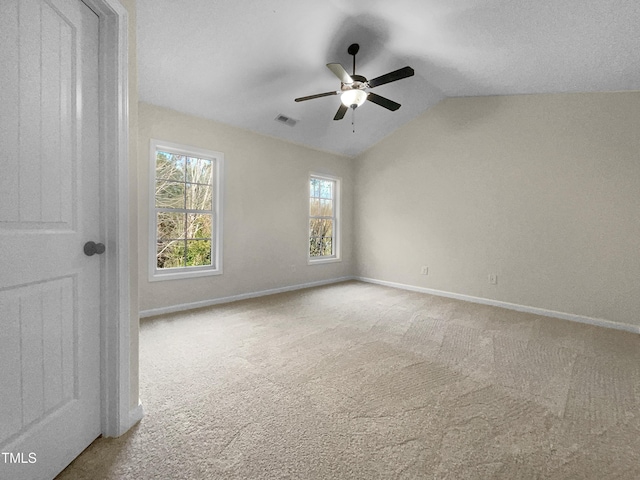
<point>115,305</point>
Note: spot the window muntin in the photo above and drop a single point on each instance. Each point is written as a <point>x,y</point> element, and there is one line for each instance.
<point>186,211</point>
<point>323,218</point>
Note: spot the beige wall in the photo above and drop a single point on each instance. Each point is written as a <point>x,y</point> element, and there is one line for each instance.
<point>265,210</point>
<point>542,190</point>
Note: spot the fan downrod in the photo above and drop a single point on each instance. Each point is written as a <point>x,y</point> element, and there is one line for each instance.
<point>353,50</point>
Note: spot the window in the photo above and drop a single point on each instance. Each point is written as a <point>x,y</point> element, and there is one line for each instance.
<point>324,219</point>
<point>186,211</point>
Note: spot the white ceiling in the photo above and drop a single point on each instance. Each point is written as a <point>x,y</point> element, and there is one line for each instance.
<point>243,62</point>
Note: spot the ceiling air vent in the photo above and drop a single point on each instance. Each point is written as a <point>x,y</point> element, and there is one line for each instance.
<point>286,120</point>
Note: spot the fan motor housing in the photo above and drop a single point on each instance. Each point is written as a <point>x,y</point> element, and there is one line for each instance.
<point>359,83</point>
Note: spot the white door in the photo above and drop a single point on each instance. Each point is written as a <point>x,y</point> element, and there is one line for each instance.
<point>49,207</point>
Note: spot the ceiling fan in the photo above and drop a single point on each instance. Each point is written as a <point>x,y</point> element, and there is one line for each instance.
<point>353,87</point>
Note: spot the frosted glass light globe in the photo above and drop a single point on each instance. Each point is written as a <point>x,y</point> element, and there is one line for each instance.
<point>353,97</point>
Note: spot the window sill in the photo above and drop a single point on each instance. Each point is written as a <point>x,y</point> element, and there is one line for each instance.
<point>158,277</point>
<point>319,261</point>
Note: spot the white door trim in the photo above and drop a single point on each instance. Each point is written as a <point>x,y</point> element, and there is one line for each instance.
<point>114,161</point>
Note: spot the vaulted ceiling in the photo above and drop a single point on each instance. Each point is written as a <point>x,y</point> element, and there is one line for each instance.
<point>243,62</point>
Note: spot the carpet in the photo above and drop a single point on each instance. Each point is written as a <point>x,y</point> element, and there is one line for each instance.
<point>360,381</point>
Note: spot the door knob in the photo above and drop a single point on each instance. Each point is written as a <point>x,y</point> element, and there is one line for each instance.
<point>91,248</point>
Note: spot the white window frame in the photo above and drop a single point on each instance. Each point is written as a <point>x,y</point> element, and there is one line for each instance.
<point>156,274</point>
<point>337,226</point>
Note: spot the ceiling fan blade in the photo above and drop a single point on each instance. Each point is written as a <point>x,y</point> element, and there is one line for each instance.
<point>310,97</point>
<point>339,71</point>
<point>341,111</point>
<point>391,77</point>
<point>383,102</point>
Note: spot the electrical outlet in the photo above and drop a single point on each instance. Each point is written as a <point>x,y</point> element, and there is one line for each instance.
<point>493,279</point>
<point>424,270</point>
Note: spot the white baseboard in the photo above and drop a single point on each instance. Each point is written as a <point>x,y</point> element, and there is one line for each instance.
<point>600,322</point>
<point>234,298</point>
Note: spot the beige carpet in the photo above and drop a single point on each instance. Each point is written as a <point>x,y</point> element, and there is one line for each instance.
<point>362,381</point>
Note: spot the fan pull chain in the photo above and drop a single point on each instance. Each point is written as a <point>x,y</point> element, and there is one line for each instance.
<point>353,120</point>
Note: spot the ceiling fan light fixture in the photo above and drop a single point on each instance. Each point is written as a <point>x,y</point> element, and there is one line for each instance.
<point>353,98</point>
<point>352,87</point>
